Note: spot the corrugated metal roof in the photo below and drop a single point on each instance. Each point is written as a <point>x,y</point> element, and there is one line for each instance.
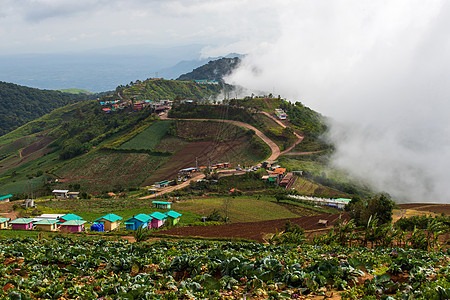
<point>2,197</point>
<point>46,222</point>
<point>110,218</point>
<point>140,217</point>
<point>161,202</point>
<point>70,217</point>
<point>60,191</point>
<point>157,215</point>
<point>3,220</point>
<point>173,214</point>
<point>21,221</point>
<point>74,223</point>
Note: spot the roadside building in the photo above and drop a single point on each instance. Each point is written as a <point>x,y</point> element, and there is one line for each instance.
<point>109,221</point>
<point>46,225</point>
<point>60,194</point>
<point>162,184</point>
<point>22,223</point>
<point>140,220</point>
<point>4,223</point>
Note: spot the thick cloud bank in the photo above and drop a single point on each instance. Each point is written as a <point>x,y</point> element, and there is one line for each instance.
<point>381,71</point>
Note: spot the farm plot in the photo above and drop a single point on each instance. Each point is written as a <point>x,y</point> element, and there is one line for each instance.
<point>102,172</point>
<point>149,138</point>
<point>65,268</point>
<point>255,231</point>
<point>241,209</point>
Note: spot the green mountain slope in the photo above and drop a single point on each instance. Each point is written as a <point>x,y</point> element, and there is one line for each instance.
<point>157,89</point>
<point>20,104</point>
<point>213,70</point>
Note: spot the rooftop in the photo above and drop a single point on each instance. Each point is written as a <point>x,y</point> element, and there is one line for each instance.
<point>21,221</point>
<point>110,218</point>
<point>74,223</point>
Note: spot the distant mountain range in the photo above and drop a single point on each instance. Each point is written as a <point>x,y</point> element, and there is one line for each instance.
<point>100,70</point>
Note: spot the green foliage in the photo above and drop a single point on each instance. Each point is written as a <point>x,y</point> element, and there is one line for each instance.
<point>213,70</point>
<point>157,89</point>
<point>93,268</point>
<point>19,104</point>
<point>380,206</point>
<point>304,119</point>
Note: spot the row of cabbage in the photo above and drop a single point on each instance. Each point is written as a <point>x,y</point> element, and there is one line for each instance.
<point>70,268</point>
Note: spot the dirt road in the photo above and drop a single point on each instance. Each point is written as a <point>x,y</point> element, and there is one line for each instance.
<point>273,147</point>
<point>299,136</point>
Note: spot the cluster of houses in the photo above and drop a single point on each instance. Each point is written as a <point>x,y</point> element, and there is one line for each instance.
<point>218,166</point>
<point>339,203</point>
<point>65,194</point>
<point>279,176</point>
<point>73,223</point>
<point>206,81</point>
<point>117,105</point>
<point>280,114</point>
<point>46,222</point>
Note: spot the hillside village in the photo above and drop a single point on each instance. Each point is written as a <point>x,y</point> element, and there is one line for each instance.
<point>173,186</point>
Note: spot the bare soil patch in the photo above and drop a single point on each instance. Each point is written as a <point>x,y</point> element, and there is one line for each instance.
<point>427,207</point>
<point>254,230</point>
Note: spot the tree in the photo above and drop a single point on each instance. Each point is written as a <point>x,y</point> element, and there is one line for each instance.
<point>380,205</point>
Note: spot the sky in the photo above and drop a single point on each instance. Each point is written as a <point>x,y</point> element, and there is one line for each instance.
<point>378,70</point>
<point>49,26</point>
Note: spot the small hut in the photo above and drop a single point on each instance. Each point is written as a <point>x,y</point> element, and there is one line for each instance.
<point>109,221</point>
<point>46,225</point>
<point>73,225</point>
<point>173,217</point>
<point>140,220</point>
<point>4,223</point>
<point>158,219</point>
<point>22,223</point>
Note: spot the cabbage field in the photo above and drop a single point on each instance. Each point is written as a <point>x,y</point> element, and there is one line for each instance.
<point>93,268</point>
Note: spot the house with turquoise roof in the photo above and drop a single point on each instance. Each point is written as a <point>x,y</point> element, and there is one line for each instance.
<point>109,221</point>
<point>22,223</point>
<point>68,217</point>
<point>5,198</point>
<point>158,220</point>
<point>46,225</point>
<point>4,222</point>
<point>140,220</point>
<point>73,225</point>
<point>173,217</point>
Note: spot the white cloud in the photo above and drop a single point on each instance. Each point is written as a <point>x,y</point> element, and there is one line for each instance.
<point>379,70</point>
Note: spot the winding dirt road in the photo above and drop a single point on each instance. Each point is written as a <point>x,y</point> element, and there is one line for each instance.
<point>273,147</point>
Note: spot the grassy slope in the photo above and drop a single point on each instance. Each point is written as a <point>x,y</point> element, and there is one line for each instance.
<point>241,209</point>
<point>75,91</point>
<point>149,138</point>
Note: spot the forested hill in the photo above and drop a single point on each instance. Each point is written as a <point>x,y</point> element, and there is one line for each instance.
<point>20,105</point>
<point>213,70</point>
<point>157,89</point>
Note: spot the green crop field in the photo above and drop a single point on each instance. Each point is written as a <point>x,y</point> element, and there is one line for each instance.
<point>149,138</point>
<point>92,209</point>
<point>240,209</point>
<point>102,171</point>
